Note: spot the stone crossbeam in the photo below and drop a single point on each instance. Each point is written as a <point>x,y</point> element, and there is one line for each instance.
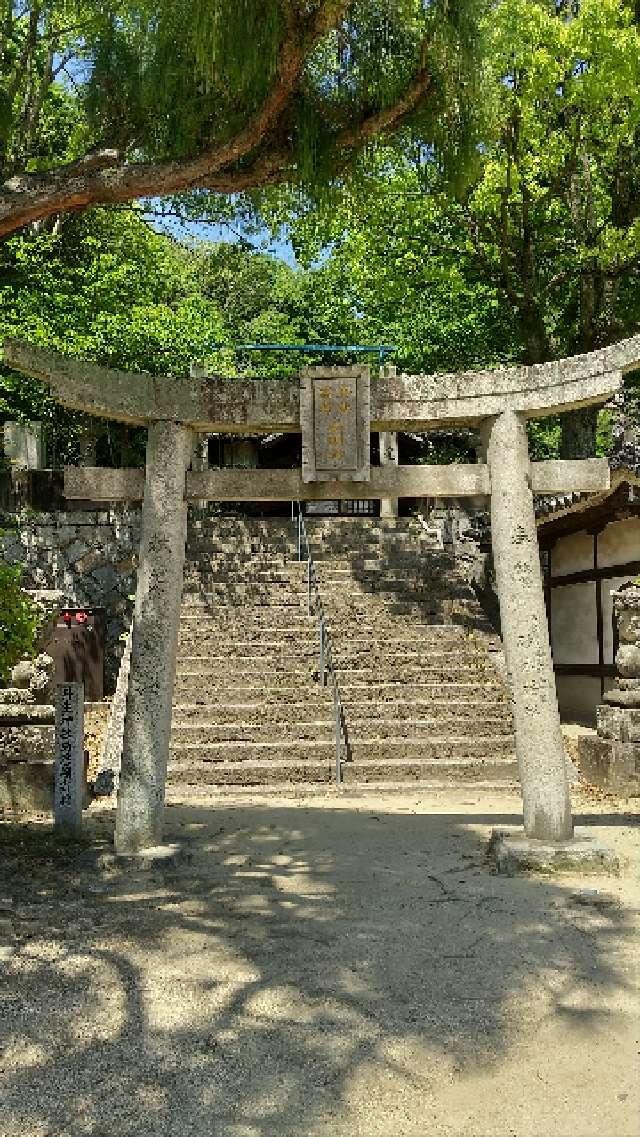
<point>261,406</point>
<point>101,484</point>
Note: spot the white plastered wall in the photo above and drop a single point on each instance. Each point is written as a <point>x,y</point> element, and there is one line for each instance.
<point>574,637</point>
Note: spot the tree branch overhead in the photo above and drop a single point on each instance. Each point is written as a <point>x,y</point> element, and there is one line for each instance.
<point>262,151</point>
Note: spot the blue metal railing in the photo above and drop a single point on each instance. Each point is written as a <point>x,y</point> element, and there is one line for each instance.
<point>381,350</point>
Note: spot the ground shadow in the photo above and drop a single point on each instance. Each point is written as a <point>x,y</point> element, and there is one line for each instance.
<point>297,953</point>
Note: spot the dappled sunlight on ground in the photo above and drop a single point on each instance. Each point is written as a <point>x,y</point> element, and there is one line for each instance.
<point>315,966</point>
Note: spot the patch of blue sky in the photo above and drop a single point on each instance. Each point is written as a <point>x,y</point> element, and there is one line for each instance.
<point>230,232</point>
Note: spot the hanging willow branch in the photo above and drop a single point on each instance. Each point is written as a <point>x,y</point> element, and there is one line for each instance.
<point>262,150</point>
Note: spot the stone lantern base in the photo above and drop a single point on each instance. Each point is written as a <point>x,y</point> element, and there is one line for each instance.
<point>611,759</point>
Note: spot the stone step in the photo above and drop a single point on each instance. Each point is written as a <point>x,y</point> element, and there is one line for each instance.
<point>363,733</point>
<point>231,671</point>
<point>280,656</point>
<point>491,771</point>
<point>245,639</point>
<point>441,772</point>
<point>438,726</point>
<point>306,643</point>
<point>192,690</point>
<point>317,705</point>
<point>362,748</point>
<point>256,773</point>
<point>200,553</point>
<point>410,710</point>
<point>260,750</point>
<point>305,640</point>
<point>272,730</point>
<point>251,629</point>
<point>432,670</point>
<point>399,711</point>
<point>242,618</point>
<point>248,594</point>
<point>209,580</point>
<point>196,688</point>
<point>407,568</point>
<point>356,655</point>
<point>355,694</point>
<point>208,604</point>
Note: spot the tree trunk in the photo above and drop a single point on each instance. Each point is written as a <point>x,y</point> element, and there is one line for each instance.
<point>578,439</point>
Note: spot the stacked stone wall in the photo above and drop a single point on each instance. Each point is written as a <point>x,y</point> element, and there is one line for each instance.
<point>89,557</point>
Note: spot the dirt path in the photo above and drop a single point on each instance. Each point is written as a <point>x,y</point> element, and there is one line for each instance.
<point>317,967</point>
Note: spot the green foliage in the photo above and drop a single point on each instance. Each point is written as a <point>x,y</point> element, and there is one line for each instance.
<point>171,80</point>
<point>537,254</point>
<point>20,618</point>
<point>384,266</point>
<point>554,216</point>
<point>103,286</point>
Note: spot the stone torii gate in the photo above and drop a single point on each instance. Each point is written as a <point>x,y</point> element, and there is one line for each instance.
<point>336,465</point>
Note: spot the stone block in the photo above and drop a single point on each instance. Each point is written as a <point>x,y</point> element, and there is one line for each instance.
<point>66,534</point>
<point>513,854</point>
<point>622,698</point>
<point>628,660</point>
<point>76,550</point>
<point>629,626</point>
<point>30,743</point>
<point>27,787</point>
<point>91,561</point>
<point>24,713</point>
<point>630,725</point>
<point>611,764</point>
<point>608,721</point>
<point>16,696</point>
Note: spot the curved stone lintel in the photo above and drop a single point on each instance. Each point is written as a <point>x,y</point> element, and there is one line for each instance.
<point>402,402</point>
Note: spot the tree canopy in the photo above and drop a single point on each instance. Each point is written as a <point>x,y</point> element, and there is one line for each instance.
<point>536,255</point>
<point>531,252</point>
<point>105,104</point>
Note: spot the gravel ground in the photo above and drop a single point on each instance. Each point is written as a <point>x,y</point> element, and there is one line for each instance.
<point>317,967</point>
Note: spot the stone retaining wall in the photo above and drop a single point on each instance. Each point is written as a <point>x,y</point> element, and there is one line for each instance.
<point>90,557</point>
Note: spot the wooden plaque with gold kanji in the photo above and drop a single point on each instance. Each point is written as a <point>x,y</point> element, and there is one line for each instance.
<point>335,423</point>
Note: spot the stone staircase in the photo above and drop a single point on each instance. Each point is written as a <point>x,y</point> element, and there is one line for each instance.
<point>424,702</point>
<point>248,708</point>
<point>416,660</point>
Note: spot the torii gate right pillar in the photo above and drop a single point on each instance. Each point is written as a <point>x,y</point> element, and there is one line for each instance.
<point>539,744</point>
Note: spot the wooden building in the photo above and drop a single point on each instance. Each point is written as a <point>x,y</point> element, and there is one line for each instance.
<point>589,547</point>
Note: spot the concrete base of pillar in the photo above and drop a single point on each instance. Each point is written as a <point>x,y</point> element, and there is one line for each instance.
<point>514,853</point>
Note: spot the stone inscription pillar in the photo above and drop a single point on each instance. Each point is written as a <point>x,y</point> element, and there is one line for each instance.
<point>539,745</point>
<point>69,782</point>
<point>154,640</point>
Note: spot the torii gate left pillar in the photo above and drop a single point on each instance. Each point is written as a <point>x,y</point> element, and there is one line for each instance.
<point>154,641</point>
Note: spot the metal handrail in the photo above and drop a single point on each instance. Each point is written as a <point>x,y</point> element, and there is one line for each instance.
<point>326,667</point>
